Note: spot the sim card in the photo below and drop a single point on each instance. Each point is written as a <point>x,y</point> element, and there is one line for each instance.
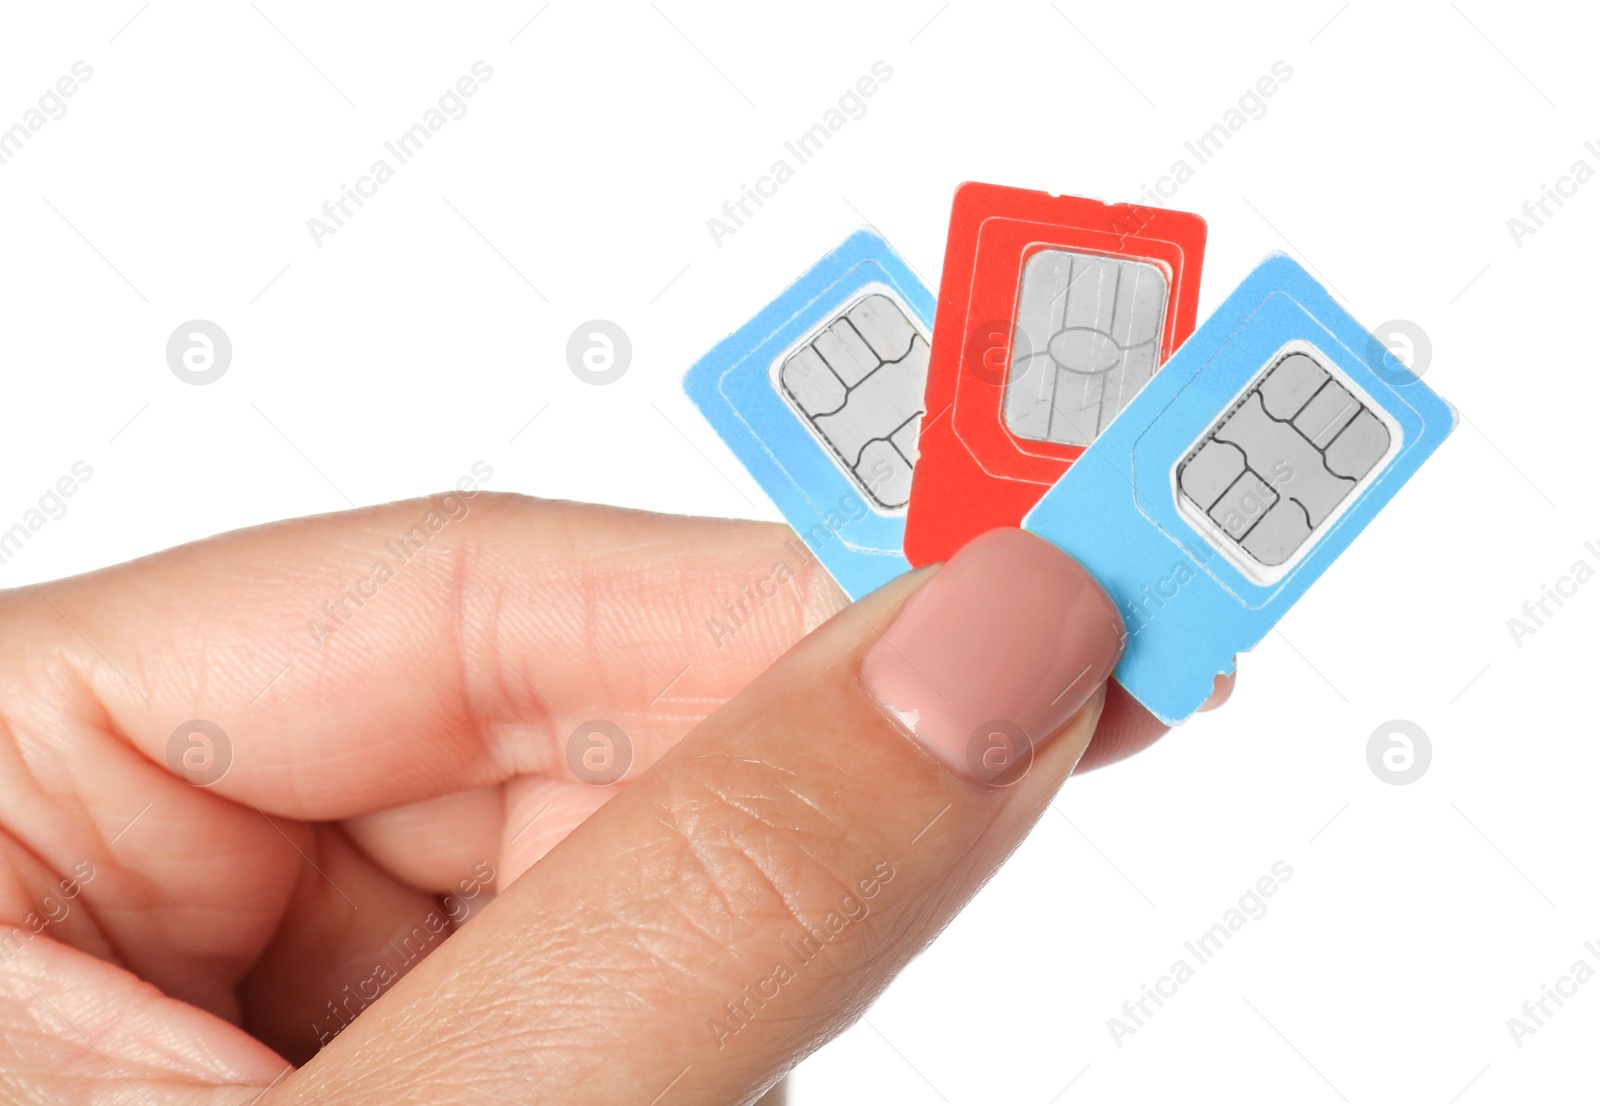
<point>1236,476</point>
<point>820,397</point>
<point>1054,311</point>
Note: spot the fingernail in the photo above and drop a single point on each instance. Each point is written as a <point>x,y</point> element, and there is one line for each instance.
<point>992,656</point>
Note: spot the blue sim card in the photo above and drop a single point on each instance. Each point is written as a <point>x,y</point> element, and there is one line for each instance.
<point>820,396</point>
<point>1236,476</point>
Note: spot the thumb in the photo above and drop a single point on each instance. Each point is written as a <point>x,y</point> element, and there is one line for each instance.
<point>747,897</point>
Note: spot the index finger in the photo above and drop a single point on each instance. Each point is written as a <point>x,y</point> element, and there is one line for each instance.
<point>366,659</point>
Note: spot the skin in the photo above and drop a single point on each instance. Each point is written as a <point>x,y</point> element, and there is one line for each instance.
<point>410,767</point>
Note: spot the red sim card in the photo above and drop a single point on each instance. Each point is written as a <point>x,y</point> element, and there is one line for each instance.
<point>1053,312</point>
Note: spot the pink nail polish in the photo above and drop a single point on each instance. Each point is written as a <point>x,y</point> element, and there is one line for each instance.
<point>994,654</point>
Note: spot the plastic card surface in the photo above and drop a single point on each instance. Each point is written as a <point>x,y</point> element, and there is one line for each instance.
<point>820,397</point>
<point>1228,485</point>
<point>1054,311</point>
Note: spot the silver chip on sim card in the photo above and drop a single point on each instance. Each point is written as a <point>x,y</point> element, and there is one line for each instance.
<point>857,382</point>
<point>1281,463</point>
<point>1088,336</point>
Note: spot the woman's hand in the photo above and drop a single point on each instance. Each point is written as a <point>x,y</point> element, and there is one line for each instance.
<point>255,786</point>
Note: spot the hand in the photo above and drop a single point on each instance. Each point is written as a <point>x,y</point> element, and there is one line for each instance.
<point>252,787</point>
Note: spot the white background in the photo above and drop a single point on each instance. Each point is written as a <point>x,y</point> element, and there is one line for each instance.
<point>427,333</point>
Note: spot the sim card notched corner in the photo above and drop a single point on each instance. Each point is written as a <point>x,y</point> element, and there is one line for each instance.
<point>1246,465</point>
<point>820,396</point>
